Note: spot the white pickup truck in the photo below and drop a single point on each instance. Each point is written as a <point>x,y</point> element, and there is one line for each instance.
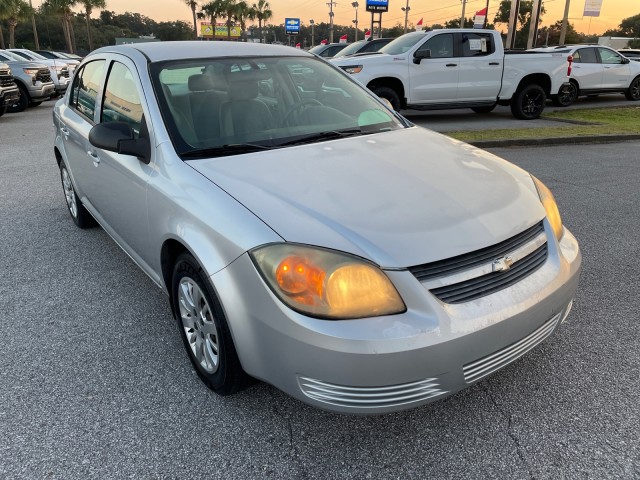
<point>460,68</point>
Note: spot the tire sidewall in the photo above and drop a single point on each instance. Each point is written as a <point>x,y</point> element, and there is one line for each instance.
<point>629,94</point>
<point>388,94</point>
<point>566,100</point>
<point>517,107</point>
<point>22,103</point>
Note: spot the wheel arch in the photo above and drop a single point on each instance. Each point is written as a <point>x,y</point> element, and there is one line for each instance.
<point>390,82</point>
<point>536,79</point>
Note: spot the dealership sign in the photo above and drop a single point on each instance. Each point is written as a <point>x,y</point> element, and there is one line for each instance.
<point>377,5</point>
<point>292,26</point>
<point>219,30</point>
<point>592,8</point>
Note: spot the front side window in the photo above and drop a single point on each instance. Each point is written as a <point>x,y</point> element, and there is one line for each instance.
<point>441,46</point>
<point>226,106</point>
<point>609,56</point>
<point>85,88</point>
<point>121,100</point>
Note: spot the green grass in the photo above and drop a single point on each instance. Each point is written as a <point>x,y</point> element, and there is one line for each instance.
<point>602,121</point>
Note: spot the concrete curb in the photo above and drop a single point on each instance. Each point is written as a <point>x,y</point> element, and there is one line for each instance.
<point>526,142</point>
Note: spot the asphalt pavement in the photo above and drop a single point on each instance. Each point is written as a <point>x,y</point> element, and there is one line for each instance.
<point>95,382</point>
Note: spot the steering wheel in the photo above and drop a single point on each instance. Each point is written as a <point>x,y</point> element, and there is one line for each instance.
<point>298,107</point>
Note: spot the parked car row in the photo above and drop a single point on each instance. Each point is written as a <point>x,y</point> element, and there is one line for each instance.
<point>29,78</point>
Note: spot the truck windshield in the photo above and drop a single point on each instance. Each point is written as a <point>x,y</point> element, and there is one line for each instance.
<point>403,44</point>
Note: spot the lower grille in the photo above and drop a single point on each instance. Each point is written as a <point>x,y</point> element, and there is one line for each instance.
<point>481,368</point>
<point>370,397</point>
<point>43,76</point>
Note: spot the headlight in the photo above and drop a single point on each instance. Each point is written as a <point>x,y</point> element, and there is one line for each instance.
<point>326,284</point>
<point>31,71</point>
<point>550,206</point>
<point>352,68</point>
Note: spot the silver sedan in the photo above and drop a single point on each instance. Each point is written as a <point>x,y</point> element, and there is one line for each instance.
<point>305,234</point>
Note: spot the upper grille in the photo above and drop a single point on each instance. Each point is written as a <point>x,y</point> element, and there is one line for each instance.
<point>471,275</point>
<point>6,80</point>
<point>43,76</point>
<point>370,397</point>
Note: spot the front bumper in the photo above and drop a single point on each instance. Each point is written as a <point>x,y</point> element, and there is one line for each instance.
<point>41,91</point>
<point>9,97</point>
<point>384,364</point>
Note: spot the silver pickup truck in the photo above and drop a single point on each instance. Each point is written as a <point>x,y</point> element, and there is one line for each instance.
<point>9,93</point>
<point>33,79</point>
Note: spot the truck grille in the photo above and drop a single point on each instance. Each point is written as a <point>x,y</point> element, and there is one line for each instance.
<point>6,80</point>
<point>489,281</point>
<point>43,76</point>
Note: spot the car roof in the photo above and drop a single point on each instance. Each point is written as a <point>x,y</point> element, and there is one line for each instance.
<point>161,51</point>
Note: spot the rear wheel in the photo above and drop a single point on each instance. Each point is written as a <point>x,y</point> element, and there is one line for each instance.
<point>566,96</point>
<point>80,215</point>
<point>633,92</point>
<point>528,102</point>
<point>388,94</point>
<point>22,103</point>
<point>204,329</point>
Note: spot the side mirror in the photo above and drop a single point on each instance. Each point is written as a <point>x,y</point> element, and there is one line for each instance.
<point>420,54</point>
<point>625,60</point>
<point>118,137</point>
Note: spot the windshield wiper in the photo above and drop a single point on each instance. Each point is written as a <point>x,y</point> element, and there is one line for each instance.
<point>224,150</point>
<point>322,136</point>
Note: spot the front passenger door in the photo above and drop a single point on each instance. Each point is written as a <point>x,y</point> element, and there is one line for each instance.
<point>435,80</point>
<point>121,182</point>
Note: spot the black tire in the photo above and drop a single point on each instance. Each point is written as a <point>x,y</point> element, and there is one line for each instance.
<point>566,96</point>
<point>34,104</point>
<point>3,110</point>
<point>80,215</point>
<point>203,328</point>
<point>22,103</point>
<point>633,92</point>
<point>528,102</point>
<point>388,94</point>
<point>483,110</point>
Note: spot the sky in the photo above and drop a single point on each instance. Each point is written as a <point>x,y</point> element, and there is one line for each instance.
<point>433,11</point>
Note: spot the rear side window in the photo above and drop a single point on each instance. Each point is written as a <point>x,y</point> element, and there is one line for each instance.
<point>121,99</point>
<point>585,55</point>
<point>476,44</point>
<point>86,86</point>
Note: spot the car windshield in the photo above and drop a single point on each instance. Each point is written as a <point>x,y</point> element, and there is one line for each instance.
<point>14,56</point>
<point>227,106</point>
<point>31,55</point>
<point>402,44</point>
<point>350,49</point>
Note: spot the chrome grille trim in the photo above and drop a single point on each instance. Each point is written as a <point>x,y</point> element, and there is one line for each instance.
<point>492,282</point>
<point>481,368</point>
<point>370,397</point>
<point>466,261</point>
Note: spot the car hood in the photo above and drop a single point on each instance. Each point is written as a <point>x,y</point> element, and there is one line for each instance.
<point>398,198</point>
<point>369,57</point>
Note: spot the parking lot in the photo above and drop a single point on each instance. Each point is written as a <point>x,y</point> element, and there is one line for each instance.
<point>95,380</point>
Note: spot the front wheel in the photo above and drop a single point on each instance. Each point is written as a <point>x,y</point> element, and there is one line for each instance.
<point>566,96</point>
<point>204,329</point>
<point>528,103</point>
<point>633,92</point>
<point>22,103</point>
<point>388,94</point>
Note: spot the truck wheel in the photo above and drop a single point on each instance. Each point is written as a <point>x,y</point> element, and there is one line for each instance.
<point>633,92</point>
<point>487,109</point>
<point>566,96</point>
<point>22,103</point>
<point>528,103</point>
<point>389,94</point>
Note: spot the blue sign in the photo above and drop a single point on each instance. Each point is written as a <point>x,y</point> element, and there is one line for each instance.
<point>292,26</point>
<point>377,5</point>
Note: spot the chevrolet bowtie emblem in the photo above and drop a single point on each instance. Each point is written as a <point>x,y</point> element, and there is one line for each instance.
<point>502,264</point>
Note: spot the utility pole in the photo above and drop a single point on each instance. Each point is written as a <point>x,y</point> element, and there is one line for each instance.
<point>331,4</point>
<point>355,22</point>
<point>513,24</point>
<point>464,4</point>
<point>313,24</point>
<point>565,22</point>
<point>406,15</point>
<point>533,27</point>
<point>35,30</point>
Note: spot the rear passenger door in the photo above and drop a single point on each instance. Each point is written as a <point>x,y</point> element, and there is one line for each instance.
<point>587,69</point>
<point>480,67</point>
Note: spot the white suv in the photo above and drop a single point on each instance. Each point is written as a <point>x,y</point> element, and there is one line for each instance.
<point>598,69</point>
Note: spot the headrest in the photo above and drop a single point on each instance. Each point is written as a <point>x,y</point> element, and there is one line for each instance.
<point>243,89</point>
<point>200,82</point>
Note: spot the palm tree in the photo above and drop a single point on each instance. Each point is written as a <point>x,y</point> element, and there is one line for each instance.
<point>89,5</point>
<point>262,13</point>
<point>62,8</point>
<point>14,11</point>
<point>213,10</point>
<point>243,13</point>
<point>229,10</point>
<point>193,4</point>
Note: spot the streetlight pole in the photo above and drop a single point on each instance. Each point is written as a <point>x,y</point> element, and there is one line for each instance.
<point>355,5</point>
<point>464,4</point>
<point>565,21</point>
<point>406,15</point>
<point>313,24</point>
<point>331,4</point>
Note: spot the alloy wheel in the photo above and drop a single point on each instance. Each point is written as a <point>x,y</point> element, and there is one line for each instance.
<point>69,193</point>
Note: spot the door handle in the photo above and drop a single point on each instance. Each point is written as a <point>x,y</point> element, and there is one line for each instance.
<point>452,65</point>
<point>94,157</point>
<point>64,131</point>
<point>494,63</point>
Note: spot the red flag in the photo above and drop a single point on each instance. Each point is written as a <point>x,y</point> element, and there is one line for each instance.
<point>482,13</point>
<point>367,34</point>
<point>343,39</point>
<point>419,22</point>
<point>324,42</point>
<point>297,45</point>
